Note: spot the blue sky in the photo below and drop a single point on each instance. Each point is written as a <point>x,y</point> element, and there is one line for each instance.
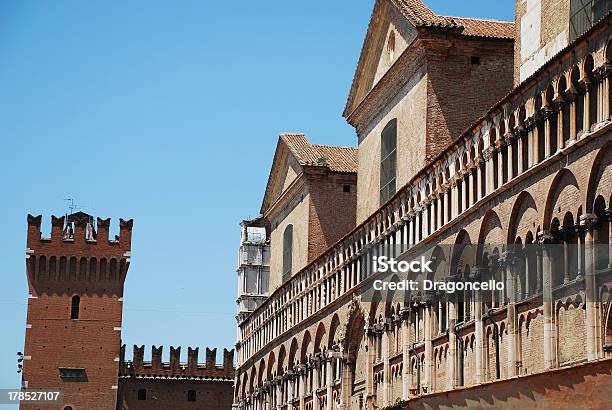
<point>167,113</point>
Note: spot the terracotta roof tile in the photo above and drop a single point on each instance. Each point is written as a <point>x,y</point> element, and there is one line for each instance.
<point>422,16</point>
<point>485,28</point>
<point>337,159</point>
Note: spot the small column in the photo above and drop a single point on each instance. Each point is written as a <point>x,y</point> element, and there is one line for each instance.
<point>478,180</point>
<point>473,181</point>
<point>547,131</point>
<point>315,382</point>
<point>371,357</point>
<point>405,229</point>
<point>511,171</point>
<point>406,343</point>
<point>509,261</point>
<point>302,384</point>
<point>586,115</point>
<point>290,380</point>
<point>529,138</point>
<point>329,387</point>
<point>386,367</point>
<point>572,96</point>
<point>538,271</point>
<point>428,324</point>
<point>534,142</point>
<point>545,239</point>
<point>419,224</point>
<point>488,156</point>
<point>559,103</point>
<point>500,163</point>
<point>464,193</point>
<point>410,225</point>
<point>455,200</point>
<point>347,381</point>
<point>452,343</point>
<point>519,154</point>
<point>588,222</point>
<point>477,274</point>
<point>278,400</point>
<point>606,92</point>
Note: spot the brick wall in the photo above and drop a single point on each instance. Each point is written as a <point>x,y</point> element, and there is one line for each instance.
<point>582,386</point>
<point>456,79</point>
<point>91,342</point>
<point>172,394</point>
<point>331,211</point>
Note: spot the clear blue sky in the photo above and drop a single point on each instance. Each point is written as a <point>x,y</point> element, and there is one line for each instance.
<point>166,112</point>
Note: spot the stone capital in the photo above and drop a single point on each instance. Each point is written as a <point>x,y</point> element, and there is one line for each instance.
<point>588,222</point>
<point>545,237</point>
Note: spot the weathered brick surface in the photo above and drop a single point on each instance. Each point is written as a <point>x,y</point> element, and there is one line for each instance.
<point>585,386</point>
<point>454,87</point>
<point>331,211</point>
<point>164,394</point>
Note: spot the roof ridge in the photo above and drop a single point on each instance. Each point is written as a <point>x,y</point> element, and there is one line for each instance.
<point>481,19</point>
<point>335,146</point>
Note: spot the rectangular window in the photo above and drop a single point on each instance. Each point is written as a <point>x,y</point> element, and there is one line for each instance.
<point>287,252</point>
<point>70,374</point>
<point>388,161</point>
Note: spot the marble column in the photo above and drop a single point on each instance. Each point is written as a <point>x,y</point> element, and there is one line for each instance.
<point>386,382</point>
<point>406,343</point>
<point>329,386</point>
<point>511,278</point>
<point>588,222</point>
<point>545,239</point>
<point>477,274</point>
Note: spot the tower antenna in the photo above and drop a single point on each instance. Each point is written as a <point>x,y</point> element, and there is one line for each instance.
<point>72,206</point>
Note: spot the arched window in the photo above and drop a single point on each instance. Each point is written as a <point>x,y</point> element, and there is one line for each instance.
<point>287,252</point>
<point>191,395</point>
<point>388,163</point>
<point>74,311</point>
<point>142,394</point>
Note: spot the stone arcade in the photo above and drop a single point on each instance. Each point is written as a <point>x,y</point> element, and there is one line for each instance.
<point>470,132</point>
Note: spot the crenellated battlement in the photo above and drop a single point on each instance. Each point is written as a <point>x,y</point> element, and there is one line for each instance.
<point>79,251</point>
<point>155,367</point>
<point>79,228</point>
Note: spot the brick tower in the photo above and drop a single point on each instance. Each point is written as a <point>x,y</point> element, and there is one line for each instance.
<point>73,329</point>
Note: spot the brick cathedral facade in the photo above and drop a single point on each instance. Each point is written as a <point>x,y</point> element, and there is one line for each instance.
<point>472,133</point>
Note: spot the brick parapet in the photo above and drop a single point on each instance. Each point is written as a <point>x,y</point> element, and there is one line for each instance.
<point>138,367</point>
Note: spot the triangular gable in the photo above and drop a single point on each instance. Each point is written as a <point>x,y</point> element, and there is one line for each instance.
<point>406,18</point>
<point>293,153</point>
<point>285,169</point>
<point>402,16</point>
